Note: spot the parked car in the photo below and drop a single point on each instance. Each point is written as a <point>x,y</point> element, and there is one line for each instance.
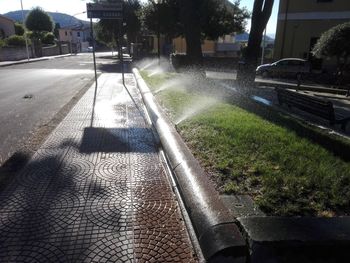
<point>90,49</point>
<point>287,67</point>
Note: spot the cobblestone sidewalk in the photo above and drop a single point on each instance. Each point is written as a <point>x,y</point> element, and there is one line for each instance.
<point>96,190</point>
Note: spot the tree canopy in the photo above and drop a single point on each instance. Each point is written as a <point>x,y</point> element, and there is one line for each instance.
<point>19,29</point>
<point>107,30</point>
<point>209,18</point>
<point>38,21</point>
<point>334,43</point>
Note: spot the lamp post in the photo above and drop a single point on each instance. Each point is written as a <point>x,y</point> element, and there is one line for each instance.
<point>25,31</point>
<point>158,3</point>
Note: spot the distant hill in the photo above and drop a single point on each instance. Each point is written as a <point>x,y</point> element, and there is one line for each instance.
<point>63,19</point>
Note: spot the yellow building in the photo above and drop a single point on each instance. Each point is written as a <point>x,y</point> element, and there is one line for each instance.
<point>179,45</point>
<point>301,23</point>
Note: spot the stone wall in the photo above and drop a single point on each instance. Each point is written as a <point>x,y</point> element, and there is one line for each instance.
<point>19,53</point>
<point>14,53</point>
<point>51,51</point>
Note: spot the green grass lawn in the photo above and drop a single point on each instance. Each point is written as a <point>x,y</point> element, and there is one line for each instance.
<point>246,154</point>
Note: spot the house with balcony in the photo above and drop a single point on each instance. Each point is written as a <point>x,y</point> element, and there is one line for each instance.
<point>301,23</point>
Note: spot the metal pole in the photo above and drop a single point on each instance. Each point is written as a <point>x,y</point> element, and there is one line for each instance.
<point>93,49</point>
<point>94,57</point>
<point>121,48</point>
<point>158,32</point>
<point>25,31</point>
<point>263,48</point>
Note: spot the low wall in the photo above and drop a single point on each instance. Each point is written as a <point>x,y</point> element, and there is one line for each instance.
<point>51,51</point>
<point>14,53</point>
<point>65,49</point>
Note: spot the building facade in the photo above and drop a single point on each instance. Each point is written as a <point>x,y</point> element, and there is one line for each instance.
<point>7,27</point>
<point>302,22</point>
<point>77,35</point>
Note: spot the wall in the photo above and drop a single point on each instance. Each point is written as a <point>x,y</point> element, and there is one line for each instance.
<point>313,6</point>
<point>298,36</point>
<point>63,36</point>
<point>306,20</point>
<point>14,53</point>
<point>51,51</point>
<point>65,49</point>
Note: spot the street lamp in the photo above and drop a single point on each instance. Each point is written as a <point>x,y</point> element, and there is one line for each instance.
<point>25,31</point>
<point>158,3</point>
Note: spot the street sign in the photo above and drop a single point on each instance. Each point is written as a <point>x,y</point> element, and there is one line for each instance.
<point>105,10</point>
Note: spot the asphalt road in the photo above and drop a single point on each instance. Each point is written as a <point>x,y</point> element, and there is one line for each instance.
<point>49,84</point>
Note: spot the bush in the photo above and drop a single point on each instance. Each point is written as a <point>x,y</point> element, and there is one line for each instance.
<point>19,29</point>
<point>49,38</point>
<point>17,41</point>
<point>334,43</point>
<point>2,43</point>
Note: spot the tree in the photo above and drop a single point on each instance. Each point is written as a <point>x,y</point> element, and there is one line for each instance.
<point>19,29</point>
<point>262,10</point>
<point>107,30</point>
<point>38,21</point>
<point>335,43</point>
<point>167,13</point>
<point>195,20</point>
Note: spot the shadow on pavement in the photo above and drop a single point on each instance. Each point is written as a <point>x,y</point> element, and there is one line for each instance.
<point>115,67</point>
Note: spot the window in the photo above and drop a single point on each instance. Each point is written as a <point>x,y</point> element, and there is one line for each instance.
<point>65,32</point>
<point>78,34</point>
<point>70,32</point>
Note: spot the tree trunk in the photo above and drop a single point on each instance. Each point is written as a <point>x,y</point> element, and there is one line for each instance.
<point>38,49</point>
<point>191,20</point>
<point>261,14</point>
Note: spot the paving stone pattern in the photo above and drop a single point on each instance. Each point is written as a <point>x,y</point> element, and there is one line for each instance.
<point>95,193</point>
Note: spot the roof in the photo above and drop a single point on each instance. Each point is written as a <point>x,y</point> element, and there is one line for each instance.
<point>6,18</point>
<point>79,26</point>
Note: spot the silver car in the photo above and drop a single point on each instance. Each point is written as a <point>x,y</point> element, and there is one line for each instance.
<point>287,67</point>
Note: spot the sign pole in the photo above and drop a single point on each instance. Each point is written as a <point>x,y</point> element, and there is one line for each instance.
<point>25,32</point>
<point>94,57</point>
<point>121,48</point>
<point>93,49</point>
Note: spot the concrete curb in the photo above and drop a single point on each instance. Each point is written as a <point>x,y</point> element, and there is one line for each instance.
<point>31,60</point>
<point>297,239</point>
<point>216,229</point>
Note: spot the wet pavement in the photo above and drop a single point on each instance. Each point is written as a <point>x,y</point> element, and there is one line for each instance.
<point>96,191</point>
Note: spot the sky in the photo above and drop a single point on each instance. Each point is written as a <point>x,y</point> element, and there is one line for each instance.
<point>74,7</point>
